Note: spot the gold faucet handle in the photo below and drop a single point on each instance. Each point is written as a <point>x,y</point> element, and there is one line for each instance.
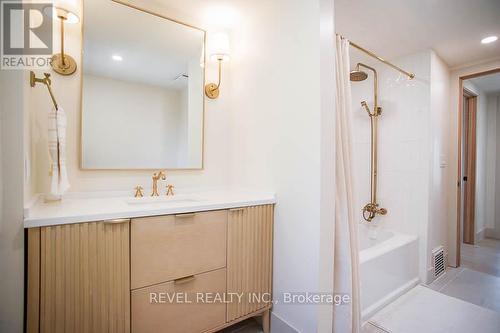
<point>170,190</point>
<point>382,211</point>
<point>138,191</point>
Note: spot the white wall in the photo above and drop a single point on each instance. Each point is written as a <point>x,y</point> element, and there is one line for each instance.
<point>493,168</point>
<point>327,161</point>
<point>455,94</point>
<point>497,176</point>
<point>491,159</point>
<point>438,159</point>
<point>277,136</point>
<point>11,212</point>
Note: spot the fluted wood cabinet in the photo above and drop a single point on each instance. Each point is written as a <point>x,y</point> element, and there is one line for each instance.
<point>79,278</point>
<point>249,259</point>
<point>101,276</point>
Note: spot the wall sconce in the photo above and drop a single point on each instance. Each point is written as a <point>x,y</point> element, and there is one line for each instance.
<point>62,63</point>
<point>219,51</point>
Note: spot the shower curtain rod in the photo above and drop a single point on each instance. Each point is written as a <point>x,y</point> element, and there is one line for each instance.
<point>373,55</point>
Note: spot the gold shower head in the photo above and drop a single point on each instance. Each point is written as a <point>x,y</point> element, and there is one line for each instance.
<point>358,75</point>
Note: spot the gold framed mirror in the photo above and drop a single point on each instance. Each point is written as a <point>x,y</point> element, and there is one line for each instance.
<point>142,104</point>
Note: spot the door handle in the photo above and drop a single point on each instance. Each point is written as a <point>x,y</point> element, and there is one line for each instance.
<point>465,178</point>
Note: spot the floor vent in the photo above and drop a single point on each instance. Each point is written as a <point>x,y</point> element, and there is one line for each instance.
<point>438,260</point>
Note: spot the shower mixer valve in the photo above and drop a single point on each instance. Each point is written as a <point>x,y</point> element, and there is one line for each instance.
<point>371,210</point>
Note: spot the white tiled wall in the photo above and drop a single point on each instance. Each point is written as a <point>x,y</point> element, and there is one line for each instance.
<point>412,149</point>
<point>403,143</point>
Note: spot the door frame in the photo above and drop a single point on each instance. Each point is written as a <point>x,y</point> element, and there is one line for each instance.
<point>459,111</point>
<point>468,194</point>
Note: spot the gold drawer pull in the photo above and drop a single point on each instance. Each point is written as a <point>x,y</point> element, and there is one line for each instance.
<point>234,210</point>
<point>184,280</point>
<point>185,215</point>
<point>117,221</point>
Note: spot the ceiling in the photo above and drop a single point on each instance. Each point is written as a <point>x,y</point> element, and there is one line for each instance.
<point>155,51</point>
<point>393,28</point>
<point>489,84</point>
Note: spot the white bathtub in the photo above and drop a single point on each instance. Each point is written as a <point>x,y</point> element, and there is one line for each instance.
<point>389,267</point>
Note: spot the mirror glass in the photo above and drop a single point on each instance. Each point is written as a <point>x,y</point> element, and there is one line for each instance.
<point>142,90</point>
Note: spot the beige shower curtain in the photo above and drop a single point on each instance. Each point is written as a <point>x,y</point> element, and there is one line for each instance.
<point>347,317</point>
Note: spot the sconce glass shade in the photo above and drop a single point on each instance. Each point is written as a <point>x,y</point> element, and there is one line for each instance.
<point>58,13</point>
<point>219,47</point>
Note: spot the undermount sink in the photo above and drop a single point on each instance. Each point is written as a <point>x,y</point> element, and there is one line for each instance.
<point>160,200</point>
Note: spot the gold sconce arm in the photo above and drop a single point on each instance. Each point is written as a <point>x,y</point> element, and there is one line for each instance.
<point>47,82</point>
<point>63,63</point>
<point>219,52</point>
<point>212,90</point>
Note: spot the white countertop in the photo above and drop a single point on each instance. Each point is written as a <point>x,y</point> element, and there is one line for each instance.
<point>88,207</point>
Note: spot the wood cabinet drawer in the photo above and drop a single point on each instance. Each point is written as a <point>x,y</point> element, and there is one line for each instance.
<point>165,248</point>
<point>156,309</point>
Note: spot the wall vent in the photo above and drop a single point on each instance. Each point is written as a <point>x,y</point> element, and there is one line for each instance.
<point>438,261</point>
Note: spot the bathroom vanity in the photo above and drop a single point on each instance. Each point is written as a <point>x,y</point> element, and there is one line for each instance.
<point>183,263</point>
<point>110,264</point>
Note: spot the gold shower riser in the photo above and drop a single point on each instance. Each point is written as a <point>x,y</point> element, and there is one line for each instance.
<point>372,209</point>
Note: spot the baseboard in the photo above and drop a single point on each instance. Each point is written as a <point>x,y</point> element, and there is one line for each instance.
<point>480,235</point>
<point>492,233</point>
<point>279,325</point>
<point>430,276</point>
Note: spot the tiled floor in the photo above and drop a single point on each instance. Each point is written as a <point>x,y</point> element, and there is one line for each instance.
<point>482,257</point>
<point>466,299</point>
<point>477,283</point>
<point>425,310</point>
<point>471,286</point>
<point>478,280</point>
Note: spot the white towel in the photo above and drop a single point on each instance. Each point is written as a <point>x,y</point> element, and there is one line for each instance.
<point>57,150</point>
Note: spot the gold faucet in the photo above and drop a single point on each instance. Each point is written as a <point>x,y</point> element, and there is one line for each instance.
<point>160,175</point>
<point>371,210</point>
